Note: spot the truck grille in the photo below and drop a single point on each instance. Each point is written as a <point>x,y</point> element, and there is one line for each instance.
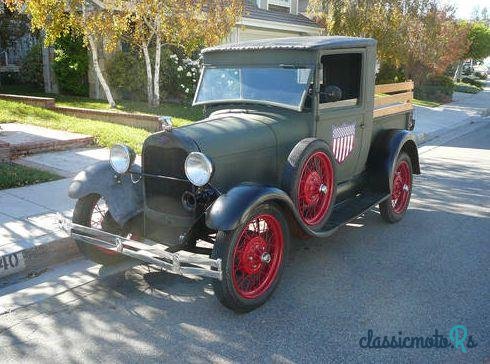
<point>164,157</point>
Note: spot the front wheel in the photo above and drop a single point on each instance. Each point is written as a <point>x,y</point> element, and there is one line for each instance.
<point>394,208</point>
<point>253,257</point>
<point>92,211</point>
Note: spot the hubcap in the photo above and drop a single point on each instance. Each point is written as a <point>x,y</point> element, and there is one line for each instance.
<point>266,258</point>
<point>315,188</point>
<point>257,256</point>
<point>400,194</point>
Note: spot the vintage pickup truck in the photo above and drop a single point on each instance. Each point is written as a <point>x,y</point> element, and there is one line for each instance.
<point>296,140</point>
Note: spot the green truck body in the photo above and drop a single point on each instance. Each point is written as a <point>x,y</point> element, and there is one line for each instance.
<point>294,139</point>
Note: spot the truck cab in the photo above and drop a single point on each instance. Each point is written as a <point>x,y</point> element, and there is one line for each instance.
<point>296,139</point>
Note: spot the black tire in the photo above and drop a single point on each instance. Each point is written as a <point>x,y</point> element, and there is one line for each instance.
<point>293,171</point>
<point>82,215</point>
<point>389,212</point>
<point>226,290</point>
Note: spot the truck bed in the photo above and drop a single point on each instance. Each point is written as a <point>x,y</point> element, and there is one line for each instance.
<point>393,106</point>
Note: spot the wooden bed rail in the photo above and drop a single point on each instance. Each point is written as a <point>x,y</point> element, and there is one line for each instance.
<point>392,98</point>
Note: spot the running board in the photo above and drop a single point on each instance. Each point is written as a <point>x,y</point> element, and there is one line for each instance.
<point>350,209</point>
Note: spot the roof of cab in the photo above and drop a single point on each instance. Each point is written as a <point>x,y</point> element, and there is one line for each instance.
<point>296,43</point>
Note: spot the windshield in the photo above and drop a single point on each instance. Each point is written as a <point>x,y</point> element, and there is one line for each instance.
<point>285,86</point>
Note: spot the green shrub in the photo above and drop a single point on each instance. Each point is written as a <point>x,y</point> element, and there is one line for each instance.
<point>466,88</point>
<point>127,75</point>
<point>179,74</point>
<point>389,73</point>
<point>70,65</point>
<point>473,82</point>
<point>31,68</point>
<point>9,78</point>
<point>435,88</point>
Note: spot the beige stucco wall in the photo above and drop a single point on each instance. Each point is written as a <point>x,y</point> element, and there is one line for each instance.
<point>248,33</point>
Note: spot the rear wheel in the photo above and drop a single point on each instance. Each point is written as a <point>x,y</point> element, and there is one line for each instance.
<point>310,180</point>
<point>394,208</point>
<point>92,211</point>
<point>253,257</point>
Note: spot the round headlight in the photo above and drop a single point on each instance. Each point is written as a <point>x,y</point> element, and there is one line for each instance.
<point>198,168</point>
<point>121,158</point>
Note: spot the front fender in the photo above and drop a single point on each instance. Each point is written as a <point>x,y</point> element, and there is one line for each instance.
<point>123,197</point>
<point>231,209</point>
<point>383,155</point>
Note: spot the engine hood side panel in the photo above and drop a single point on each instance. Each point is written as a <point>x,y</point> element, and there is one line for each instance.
<point>241,146</point>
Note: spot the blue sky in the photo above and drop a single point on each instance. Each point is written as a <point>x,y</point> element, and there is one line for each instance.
<point>465,7</point>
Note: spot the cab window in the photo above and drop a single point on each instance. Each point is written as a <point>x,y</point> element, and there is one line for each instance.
<point>340,80</point>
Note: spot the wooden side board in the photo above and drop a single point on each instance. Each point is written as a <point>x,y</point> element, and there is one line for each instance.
<point>393,98</point>
<point>393,87</point>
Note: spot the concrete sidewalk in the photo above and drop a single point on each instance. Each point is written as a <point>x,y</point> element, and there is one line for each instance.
<point>431,122</point>
<point>29,234</point>
<point>30,238</point>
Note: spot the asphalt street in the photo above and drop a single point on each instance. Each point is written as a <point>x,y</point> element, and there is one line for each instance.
<point>429,272</point>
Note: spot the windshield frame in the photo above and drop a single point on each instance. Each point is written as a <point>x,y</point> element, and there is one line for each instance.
<point>255,101</point>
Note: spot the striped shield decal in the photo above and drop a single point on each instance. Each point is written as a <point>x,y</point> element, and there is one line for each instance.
<point>343,138</point>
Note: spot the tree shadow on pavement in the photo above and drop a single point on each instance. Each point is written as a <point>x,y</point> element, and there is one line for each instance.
<point>430,271</point>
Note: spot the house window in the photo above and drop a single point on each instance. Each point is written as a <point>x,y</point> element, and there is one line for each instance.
<point>283,6</point>
<point>340,80</point>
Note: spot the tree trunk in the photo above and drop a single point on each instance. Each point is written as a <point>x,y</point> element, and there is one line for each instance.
<point>459,70</point>
<point>156,76</point>
<point>149,77</point>
<point>98,72</point>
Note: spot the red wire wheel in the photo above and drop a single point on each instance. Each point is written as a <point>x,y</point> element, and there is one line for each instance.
<point>315,188</point>
<point>402,185</point>
<point>257,256</point>
<point>252,258</point>
<point>395,206</point>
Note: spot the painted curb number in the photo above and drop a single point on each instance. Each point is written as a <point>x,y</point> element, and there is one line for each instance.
<point>11,263</point>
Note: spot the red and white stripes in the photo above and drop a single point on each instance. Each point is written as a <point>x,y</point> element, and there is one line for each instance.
<point>343,138</point>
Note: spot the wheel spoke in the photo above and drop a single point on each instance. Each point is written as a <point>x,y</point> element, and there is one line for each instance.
<point>252,276</point>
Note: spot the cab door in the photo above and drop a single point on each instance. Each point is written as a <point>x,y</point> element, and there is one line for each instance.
<point>341,107</point>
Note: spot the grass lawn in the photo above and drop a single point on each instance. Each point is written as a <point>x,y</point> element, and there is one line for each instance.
<point>14,175</point>
<point>425,103</point>
<point>181,114</point>
<point>105,134</point>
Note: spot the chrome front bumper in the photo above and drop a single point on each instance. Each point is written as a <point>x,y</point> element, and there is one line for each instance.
<point>177,263</point>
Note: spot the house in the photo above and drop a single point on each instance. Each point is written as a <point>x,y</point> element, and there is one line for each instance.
<point>261,19</point>
<point>273,19</point>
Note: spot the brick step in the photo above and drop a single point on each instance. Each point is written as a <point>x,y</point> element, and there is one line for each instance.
<point>20,150</point>
<point>18,140</point>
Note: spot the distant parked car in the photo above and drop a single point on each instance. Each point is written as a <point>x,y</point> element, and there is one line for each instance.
<point>481,71</point>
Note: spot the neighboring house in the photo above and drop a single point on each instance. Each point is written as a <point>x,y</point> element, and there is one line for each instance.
<point>273,19</point>
<point>15,42</point>
<point>261,19</point>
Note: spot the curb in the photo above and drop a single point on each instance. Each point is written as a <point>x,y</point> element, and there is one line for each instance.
<point>422,138</point>
<point>47,251</point>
